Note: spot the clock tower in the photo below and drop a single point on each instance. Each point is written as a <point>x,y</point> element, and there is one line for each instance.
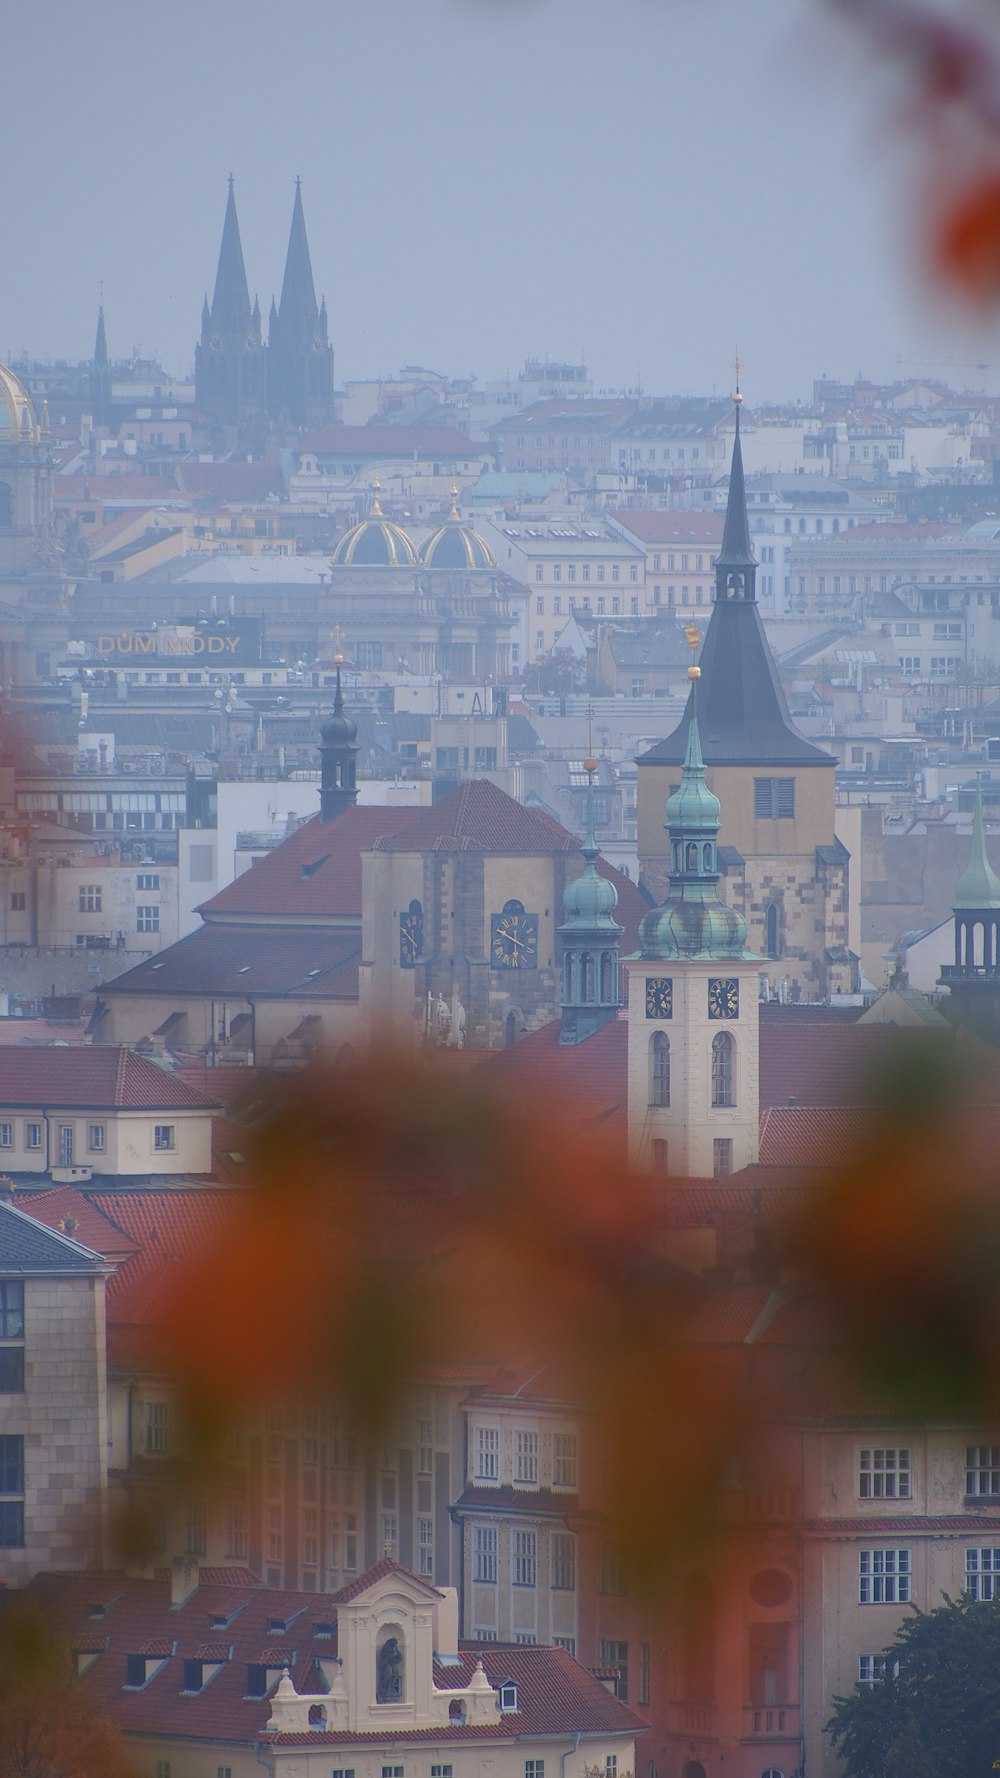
<point>693,1093</point>
<point>590,935</point>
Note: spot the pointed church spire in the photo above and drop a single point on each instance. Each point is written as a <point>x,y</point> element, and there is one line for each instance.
<point>101,342</point>
<point>298,293</point>
<point>978,886</point>
<point>300,362</point>
<point>231,301</point>
<point>736,552</point>
<point>100,373</point>
<point>338,751</point>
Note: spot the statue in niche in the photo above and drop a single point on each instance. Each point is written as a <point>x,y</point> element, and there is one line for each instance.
<point>389,1684</point>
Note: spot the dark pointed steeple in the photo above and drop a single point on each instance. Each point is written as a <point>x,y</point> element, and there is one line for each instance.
<point>100,375</point>
<point>744,716</point>
<point>300,362</point>
<point>338,752</point>
<point>231,301</point>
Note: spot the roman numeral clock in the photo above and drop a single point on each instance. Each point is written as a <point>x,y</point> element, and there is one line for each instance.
<point>513,938</point>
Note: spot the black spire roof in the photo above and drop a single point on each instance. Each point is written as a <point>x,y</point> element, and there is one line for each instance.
<point>297,307</point>
<point>231,300</point>
<point>101,342</point>
<point>742,713</point>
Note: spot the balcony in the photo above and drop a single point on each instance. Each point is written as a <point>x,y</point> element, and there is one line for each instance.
<point>770,1722</point>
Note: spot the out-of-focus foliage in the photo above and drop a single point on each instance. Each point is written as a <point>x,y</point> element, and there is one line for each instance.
<point>936,1714</point>
<point>44,1730</point>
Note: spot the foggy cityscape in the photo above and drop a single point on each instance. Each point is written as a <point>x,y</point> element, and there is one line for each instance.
<point>500,890</point>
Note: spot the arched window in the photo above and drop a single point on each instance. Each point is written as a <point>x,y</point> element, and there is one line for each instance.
<point>706,856</point>
<point>772,941</point>
<point>722,1069</point>
<point>587,976</point>
<point>512,1027</point>
<point>6,506</point>
<point>569,977</point>
<point>609,985</point>
<point>692,857</point>
<point>659,1070</point>
<point>317,1716</point>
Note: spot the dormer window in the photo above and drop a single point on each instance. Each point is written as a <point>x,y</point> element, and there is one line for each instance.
<point>508,1696</point>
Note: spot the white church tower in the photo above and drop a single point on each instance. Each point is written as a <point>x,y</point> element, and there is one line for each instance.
<point>693,990</point>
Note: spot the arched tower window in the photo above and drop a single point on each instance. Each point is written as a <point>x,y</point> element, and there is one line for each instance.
<point>772,936</point>
<point>706,856</point>
<point>692,857</point>
<point>659,1069</point>
<point>609,985</point>
<point>512,1027</point>
<point>722,1069</point>
<point>569,977</point>
<point>587,976</point>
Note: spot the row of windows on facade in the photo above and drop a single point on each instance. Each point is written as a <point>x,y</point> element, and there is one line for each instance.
<point>723,1069</point>
<point>525,1455</point>
<point>33,1138</point>
<point>885,1575</point>
<point>89,896</point>
<point>556,571</point>
<point>584,605</point>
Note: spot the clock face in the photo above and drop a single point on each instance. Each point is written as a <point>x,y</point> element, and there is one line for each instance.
<point>723,997</point>
<point>411,935</point>
<point>659,997</point>
<point>513,938</point>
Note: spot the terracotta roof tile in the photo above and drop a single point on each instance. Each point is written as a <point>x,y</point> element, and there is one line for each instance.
<point>92,1076</point>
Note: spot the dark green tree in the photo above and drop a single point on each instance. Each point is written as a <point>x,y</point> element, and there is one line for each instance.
<point>936,1712</point>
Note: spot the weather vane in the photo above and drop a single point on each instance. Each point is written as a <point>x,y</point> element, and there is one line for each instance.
<point>738,368</point>
<point>590,763</point>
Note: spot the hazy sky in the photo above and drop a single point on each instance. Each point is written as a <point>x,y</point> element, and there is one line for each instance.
<point>647,182</point>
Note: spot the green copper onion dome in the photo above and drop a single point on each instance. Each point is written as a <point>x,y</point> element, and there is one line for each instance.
<point>590,900</point>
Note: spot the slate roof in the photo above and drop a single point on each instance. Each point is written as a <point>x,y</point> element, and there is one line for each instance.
<point>555,1695</point>
<point>92,1076</point>
<point>254,962</point>
<point>658,645</point>
<point>29,1249</point>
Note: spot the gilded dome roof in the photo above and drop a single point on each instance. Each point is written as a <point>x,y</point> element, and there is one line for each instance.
<point>454,545</point>
<point>376,542</point>
<point>17,416</point>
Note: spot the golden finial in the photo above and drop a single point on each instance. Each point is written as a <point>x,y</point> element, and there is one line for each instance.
<point>338,646</point>
<point>376,502</point>
<point>454,513</point>
<point>692,636</point>
<point>590,763</point>
<point>738,367</point>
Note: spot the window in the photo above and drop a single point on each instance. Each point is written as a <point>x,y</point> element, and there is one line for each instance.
<point>368,656</point>
<point>538,570</point>
<point>872,1668</point>
<point>773,799</point>
<point>722,1069</point>
<point>540,607</point>
<point>162,1765</point>
<point>659,1070</point>
<point>564,1460</point>
<point>389,1533</point>
<point>556,571</point>
<point>612,1569</point>
<point>11,1491</point>
<point>147,880</point>
<point>883,1577</point>
<point>615,1654</point>
<point>342,1772</point>
<point>441,1771</point>
<point>884,1474</point>
<point>644,1673</point>
<point>484,1553</point>
<point>157,1428</point>
<point>982,1469</point>
<point>526,1458</point>
<point>722,1156</point>
<point>163,1137</point>
<point>425,1546</point>
<point>615,571</point>
<point>564,1561</point>
<point>425,1451</point>
<point>95,1138</point>
<point>557,604</point>
<point>447,759</point>
<point>571,571</point>
<point>197,1528</point>
<point>982,1573</point>
<point>392,1772</point>
<point>487,1467</point>
<point>237,1542</point>
<point>525,1564</point>
<point>6,1135</point>
<point>89,898</point>
<point>147,918</point>
<point>533,1768</point>
<point>566,1642</point>
<point>611,1765</point>
<point>18,901</point>
<point>12,1329</point>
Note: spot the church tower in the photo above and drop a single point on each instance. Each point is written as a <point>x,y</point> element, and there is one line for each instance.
<point>590,935</point>
<point>299,355</point>
<point>693,1072</point>
<point>338,752</point>
<point>784,868</point>
<point>974,977</point>
<point>100,376</point>
<point>229,359</point>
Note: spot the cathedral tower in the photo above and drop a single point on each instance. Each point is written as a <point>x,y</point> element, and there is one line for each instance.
<point>229,359</point>
<point>693,1074</point>
<point>100,376</point>
<point>299,355</point>
<point>785,869</point>
<point>590,935</point>
<point>338,752</point>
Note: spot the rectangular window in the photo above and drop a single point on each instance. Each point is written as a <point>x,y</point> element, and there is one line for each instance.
<point>571,571</point>
<point>11,1309</point>
<point>525,1564</point>
<point>883,1577</point>
<point>89,898</point>
<point>564,1561</point>
<point>163,1137</point>
<point>872,1669</point>
<point>722,1156</point>
<point>392,1772</point>
<point>773,798</point>
<point>644,1673</point>
<point>157,1428</point>
<point>197,1528</point>
<point>389,1534</point>
<point>487,1454</point>
<point>982,1469</point>
<point>612,1569</point>
<point>32,1135</point>
<point>11,1370</point>
<point>540,607</point>
<point>237,1541</point>
<point>425,1450</point>
<point>564,1460</point>
<point>557,605</point>
<point>884,1474</point>
<point>566,1642</point>
<point>615,1654</point>
<point>600,570</point>
<point>534,1768</point>
<point>484,1553</point>
<point>147,880</point>
<point>162,1765</point>
<point>982,1573</point>
<point>147,918</point>
<point>611,1765</point>
<point>425,1546</point>
<point>526,1458</point>
<point>556,571</point>
<point>95,1138</point>
<point>18,901</point>
<point>442,1771</point>
<point>538,570</point>
<point>12,1484</point>
<point>6,1135</point>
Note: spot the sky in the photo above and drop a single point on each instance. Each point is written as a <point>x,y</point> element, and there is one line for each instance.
<point>649,184</point>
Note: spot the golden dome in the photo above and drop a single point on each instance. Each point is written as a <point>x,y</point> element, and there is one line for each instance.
<point>454,545</point>
<point>18,421</point>
<point>376,542</point>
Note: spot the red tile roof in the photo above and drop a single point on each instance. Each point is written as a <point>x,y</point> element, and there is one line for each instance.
<point>836,1064</point>
<point>672,527</point>
<point>92,1076</point>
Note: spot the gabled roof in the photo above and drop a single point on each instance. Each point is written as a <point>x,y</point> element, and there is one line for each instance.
<point>315,871</point>
<point>92,1077</point>
<point>29,1249</point>
<point>672,528</point>
<point>251,961</point>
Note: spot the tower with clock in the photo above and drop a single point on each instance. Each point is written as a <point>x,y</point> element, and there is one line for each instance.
<point>693,1093</point>
<point>590,934</point>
